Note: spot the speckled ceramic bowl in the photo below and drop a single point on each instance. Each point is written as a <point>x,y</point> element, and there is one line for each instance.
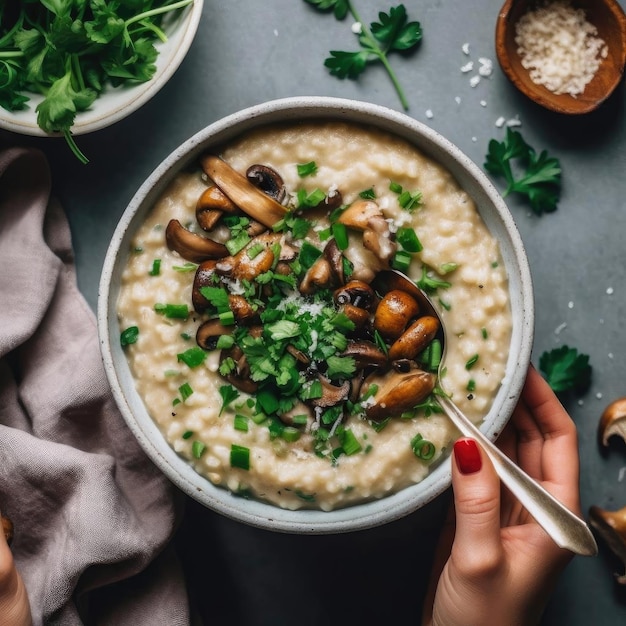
<point>114,105</point>
<point>494,213</point>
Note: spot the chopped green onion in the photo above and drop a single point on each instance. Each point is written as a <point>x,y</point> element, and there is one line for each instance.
<point>187,267</point>
<point>446,268</point>
<point>192,357</point>
<point>307,169</point>
<point>156,267</point>
<point>422,448</point>
<point>395,187</point>
<point>239,457</point>
<point>187,434</point>
<point>340,233</point>
<point>410,201</point>
<point>173,311</point>
<point>407,238</point>
<point>237,243</point>
<point>224,342</point>
<point>290,434</point>
<point>197,449</point>
<point>227,318</point>
<point>241,423</point>
<point>368,194</point>
<point>349,442</point>
<point>471,362</point>
<point>471,385</point>
<point>401,260</point>
<point>484,333</point>
<point>255,250</point>
<point>185,391</point>
<point>129,335</point>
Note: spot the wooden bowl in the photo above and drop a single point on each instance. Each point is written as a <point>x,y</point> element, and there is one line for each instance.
<point>606,15</point>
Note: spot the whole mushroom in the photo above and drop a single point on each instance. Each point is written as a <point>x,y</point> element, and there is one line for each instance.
<point>613,422</point>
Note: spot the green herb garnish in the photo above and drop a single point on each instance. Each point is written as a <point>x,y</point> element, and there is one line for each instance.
<point>540,179</point>
<point>129,335</point>
<point>70,51</point>
<point>564,368</point>
<point>393,32</point>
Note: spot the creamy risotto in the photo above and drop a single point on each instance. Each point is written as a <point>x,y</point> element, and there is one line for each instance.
<point>267,342</point>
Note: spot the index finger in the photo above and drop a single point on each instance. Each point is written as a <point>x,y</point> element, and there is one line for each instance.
<point>547,435</point>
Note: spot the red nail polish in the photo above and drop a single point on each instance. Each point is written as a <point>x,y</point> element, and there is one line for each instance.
<point>467,456</point>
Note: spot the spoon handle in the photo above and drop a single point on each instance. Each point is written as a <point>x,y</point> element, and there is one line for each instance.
<point>565,528</point>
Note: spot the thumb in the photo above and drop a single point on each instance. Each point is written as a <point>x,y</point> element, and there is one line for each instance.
<point>476,489</point>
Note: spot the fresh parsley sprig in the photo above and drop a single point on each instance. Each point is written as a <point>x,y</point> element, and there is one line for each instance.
<point>565,368</point>
<point>540,181</point>
<point>70,50</point>
<point>393,32</point>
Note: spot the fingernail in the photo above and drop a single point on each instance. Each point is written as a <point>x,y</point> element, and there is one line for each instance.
<point>467,456</point>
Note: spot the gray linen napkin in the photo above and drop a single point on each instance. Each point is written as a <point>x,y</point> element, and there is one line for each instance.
<point>93,517</point>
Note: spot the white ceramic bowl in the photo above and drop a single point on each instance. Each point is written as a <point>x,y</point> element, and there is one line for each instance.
<point>494,213</point>
<point>114,104</point>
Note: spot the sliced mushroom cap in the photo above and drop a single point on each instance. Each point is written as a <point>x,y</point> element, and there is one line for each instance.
<point>395,310</point>
<point>415,338</point>
<point>613,421</point>
<point>319,275</point>
<point>268,180</point>
<point>358,316</point>
<point>204,277</point>
<point>331,394</point>
<point>611,526</point>
<point>359,214</point>
<point>365,353</point>
<point>242,267</point>
<point>334,256</point>
<point>211,205</point>
<point>209,332</point>
<point>355,292</point>
<point>191,246</point>
<point>397,392</point>
<point>243,311</point>
<point>240,376</point>
<point>377,238</point>
<point>242,192</point>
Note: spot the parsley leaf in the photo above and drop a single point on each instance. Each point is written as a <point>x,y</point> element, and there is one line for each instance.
<point>393,32</point>
<point>540,182</point>
<point>564,368</point>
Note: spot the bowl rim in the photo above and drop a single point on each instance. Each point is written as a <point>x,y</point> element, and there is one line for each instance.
<point>264,515</point>
<point>125,99</point>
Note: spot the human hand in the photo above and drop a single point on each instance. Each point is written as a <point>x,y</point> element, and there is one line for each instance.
<point>494,563</point>
<point>14,606</point>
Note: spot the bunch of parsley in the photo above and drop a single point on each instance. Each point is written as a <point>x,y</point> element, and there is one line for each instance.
<point>70,50</point>
<point>540,178</point>
<point>393,32</point>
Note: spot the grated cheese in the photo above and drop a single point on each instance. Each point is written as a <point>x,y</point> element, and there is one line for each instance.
<point>559,47</point>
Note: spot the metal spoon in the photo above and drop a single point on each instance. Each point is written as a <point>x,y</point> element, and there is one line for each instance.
<point>565,528</point>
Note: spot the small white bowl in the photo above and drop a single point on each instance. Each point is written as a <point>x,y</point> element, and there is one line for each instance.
<point>494,213</point>
<point>114,104</point>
